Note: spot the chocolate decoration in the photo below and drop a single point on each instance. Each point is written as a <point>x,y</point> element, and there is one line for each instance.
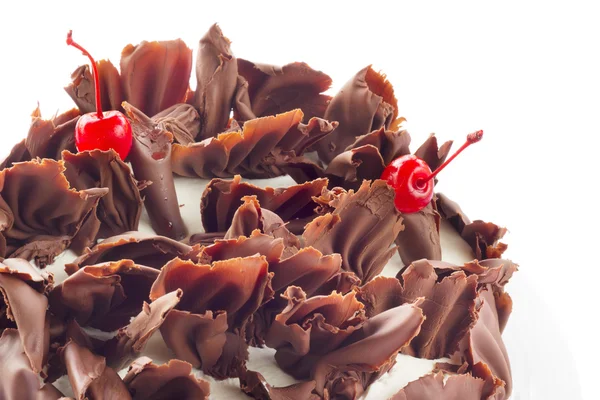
<point>249,152</point>
<point>242,109</point>
<point>182,120</point>
<point>367,353</point>
<point>221,199</point>
<point>89,376</point>
<point>131,340</point>
<point>151,161</point>
<point>216,74</point>
<point>173,380</point>
<point>434,386</point>
<point>155,75</point>
<point>17,154</point>
<point>391,144</point>
<point>18,380</point>
<point>309,328</point>
<point>143,249</point>
<point>48,138</point>
<point>40,227</point>
<point>23,306</point>
<point>120,209</point>
<point>254,385</point>
<point>273,90</point>
<point>82,90</point>
<point>483,237</point>
<point>420,238</point>
<point>361,229</point>
<point>365,103</point>
<point>433,155</point>
<point>104,296</point>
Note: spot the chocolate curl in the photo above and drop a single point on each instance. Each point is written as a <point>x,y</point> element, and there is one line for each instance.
<point>41,226</point>
<point>19,381</point>
<point>173,380</point>
<point>149,250</point>
<point>131,340</point>
<point>23,306</point>
<point>182,120</point>
<point>104,296</point>
<point>156,75</point>
<point>120,209</point>
<point>221,199</point>
<point>274,90</point>
<point>17,154</point>
<point>361,229</point>
<point>257,243</point>
<point>434,386</point>
<point>367,353</point>
<point>83,92</point>
<point>255,385</point>
<point>250,151</point>
<point>364,104</point>
<point>216,73</point>
<point>483,237</point>
<point>308,329</point>
<point>151,161</point>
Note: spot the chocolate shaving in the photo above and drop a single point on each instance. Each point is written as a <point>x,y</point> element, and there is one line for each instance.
<point>173,380</point>
<point>39,213</point>
<point>434,386</point>
<point>155,75</point>
<point>19,381</point>
<point>364,104</point>
<point>433,155</point>
<point>104,296</point>
<point>221,199</point>
<point>361,228</point>
<point>249,152</point>
<point>483,237</point>
<point>120,209</point>
<point>420,238</point>
<point>254,385</point>
<point>149,250</point>
<point>17,154</point>
<point>273,90</point>
<point>23,306</point>
<point>83,92</point>
<point>151,161</point>
<point>48,138</point>
<point>182,120</point>
<point>216,74</point>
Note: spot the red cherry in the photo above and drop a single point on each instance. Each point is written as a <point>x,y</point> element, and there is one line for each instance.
<point>412,178</point>
<point>103,131</point>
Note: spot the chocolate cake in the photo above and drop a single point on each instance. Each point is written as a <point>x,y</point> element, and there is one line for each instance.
<point>181,273</point>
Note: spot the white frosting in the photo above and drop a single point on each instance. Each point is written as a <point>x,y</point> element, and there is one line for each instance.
<point>189,191</point>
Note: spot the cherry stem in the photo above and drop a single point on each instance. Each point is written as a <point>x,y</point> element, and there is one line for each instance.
<point>71,42</point>
<point>471,138</point>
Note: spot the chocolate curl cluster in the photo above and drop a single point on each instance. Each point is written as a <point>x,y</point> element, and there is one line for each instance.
<point>148,250</point>
<point>361,229</point>
<point>207,326</point>
<point>364,104</point>
<point>293,204</point>
<point>250,151</point>
<point>483,237</point>
<point>434,386</point>
<point>41,215</point>
<point>173,380</point>
<point>103,296</point>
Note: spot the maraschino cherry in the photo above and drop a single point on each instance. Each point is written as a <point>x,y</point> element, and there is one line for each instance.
<point>103,131</point>
<point>412,178</point>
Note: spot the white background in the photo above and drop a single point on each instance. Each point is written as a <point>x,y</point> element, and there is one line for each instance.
<point>526,73</point>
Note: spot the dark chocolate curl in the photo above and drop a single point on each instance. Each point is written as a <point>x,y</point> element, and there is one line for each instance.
<point>255,385</point>
<point>433,155</point>
<point>155,75</point>
<point>216,73</point>
<point>361,228</point>
<point>18,380</point>
<point>364,104</point>
<point>151,161</point>
<point>273,90</point>
<point>182,120</point>
<point>131,340</point>
<point>120,209</point>
<point>23,306</point>
<point>250,151</point>
<point>434,386</point>
<point>17,154</point>
<point>367,353</point>
<point>221,199</point>
<point>483,237</point>
<point>48,138</point>
<point>39,213</point>
<point>104,296</point>
<point>143,249</point>
<point>352,167</point>
<point>421,235</point>
<point>173,380</point>
<point>83,92</point>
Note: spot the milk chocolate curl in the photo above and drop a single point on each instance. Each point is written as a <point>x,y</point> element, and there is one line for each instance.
<point>254,385</point>
<point>151,161</point>
<point>83,92</point>
<point>182,120</point>
<point>434,386</point>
